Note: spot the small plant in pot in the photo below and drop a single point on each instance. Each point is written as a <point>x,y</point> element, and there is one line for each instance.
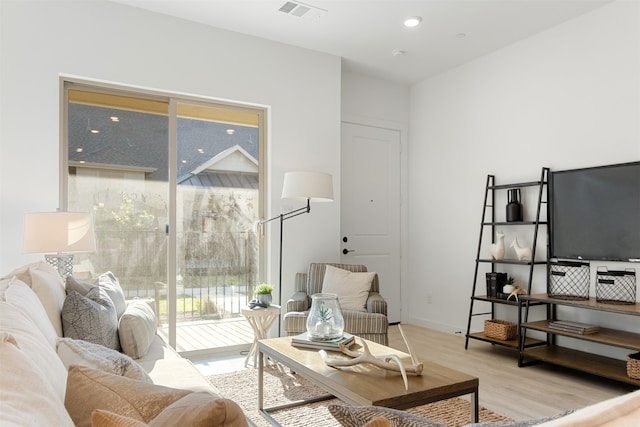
<point>509,285</point>
<point>263,293</point>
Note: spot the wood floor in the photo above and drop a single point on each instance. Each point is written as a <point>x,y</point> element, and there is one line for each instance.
<point>520,393</point>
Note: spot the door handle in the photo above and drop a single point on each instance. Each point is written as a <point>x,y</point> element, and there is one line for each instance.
<point>346,251</point>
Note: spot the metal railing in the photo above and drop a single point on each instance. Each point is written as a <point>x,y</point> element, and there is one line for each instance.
<point>217,271</point>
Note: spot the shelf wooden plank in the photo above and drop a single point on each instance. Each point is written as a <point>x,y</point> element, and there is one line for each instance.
<point>516,185</point>
<point>606,336</point>
<point>500,223</point>
<point>591,303</point>
<point>586,362</point>
<point>510,343</point>
<point>510,261</point>
<point>502,301</point>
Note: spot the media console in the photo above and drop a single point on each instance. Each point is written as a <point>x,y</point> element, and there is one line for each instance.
<point>587,362</point>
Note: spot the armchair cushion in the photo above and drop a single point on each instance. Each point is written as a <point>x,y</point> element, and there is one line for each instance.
<point>352,288</point>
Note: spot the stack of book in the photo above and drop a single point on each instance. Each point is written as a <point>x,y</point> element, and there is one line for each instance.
<point>575,327</point>
<point>303,341</point>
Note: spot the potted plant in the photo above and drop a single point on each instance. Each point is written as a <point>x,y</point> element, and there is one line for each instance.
<point>263,293</point>
<point>509,285</point>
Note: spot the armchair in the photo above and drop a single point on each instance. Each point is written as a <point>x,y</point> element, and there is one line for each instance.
<point>371,324</point>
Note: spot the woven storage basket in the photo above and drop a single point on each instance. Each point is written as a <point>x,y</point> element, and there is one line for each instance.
<point>633,366</point>
<point>500,329</point>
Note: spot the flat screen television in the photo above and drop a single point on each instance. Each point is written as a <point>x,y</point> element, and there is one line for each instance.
<point>594,213</point>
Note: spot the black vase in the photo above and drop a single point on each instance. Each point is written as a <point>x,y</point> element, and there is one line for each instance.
<point>514,207</point>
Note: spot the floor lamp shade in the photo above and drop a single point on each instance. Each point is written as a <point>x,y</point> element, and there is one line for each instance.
<point>313,186</point>
<point>59,235</point>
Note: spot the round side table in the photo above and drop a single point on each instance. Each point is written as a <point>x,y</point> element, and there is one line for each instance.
<point>261,320</point>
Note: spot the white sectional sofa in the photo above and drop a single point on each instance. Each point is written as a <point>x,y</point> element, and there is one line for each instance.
<point>41,385</point>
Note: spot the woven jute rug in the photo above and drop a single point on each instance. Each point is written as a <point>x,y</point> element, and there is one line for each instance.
<point>281,387</point>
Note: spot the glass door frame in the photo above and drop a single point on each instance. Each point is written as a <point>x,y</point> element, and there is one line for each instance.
<point>173,99</point>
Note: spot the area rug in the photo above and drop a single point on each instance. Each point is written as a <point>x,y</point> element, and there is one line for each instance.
<point>281,387</point>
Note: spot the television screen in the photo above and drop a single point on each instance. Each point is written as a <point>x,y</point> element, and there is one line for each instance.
<point>595,213</point>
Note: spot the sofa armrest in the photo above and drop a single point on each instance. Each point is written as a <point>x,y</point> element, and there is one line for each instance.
<point>298,302</point>
<point>376,303</point>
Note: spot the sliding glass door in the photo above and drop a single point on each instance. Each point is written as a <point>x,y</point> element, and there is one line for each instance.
<point>174,186</point>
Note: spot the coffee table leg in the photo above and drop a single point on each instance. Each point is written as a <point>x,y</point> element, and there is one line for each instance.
<point>474,407</point>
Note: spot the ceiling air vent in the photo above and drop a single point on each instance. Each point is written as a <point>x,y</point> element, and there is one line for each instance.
<point>301,10</point>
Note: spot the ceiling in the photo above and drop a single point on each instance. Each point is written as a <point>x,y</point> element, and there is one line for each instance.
<point>365,33</point>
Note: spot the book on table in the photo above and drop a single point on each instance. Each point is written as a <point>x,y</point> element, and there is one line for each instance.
<point>303,341</point>
<point>575,327</point>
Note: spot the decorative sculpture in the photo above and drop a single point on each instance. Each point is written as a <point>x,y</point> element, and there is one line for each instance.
<point>516,291</point>
<point>383,361</point>
<point>497,249</point>
<point>521,253</point>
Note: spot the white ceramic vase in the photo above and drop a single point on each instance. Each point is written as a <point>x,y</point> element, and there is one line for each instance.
<point>497,249</point>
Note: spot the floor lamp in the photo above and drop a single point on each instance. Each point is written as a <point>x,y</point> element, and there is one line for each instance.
<point>59,235</point>
<point>303,186</point>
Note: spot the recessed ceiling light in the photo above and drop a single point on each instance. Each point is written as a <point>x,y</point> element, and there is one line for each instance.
<point>114,119</point>
<point>231,131</point>
<point>398,52</point>
<point>201,150</point>
<point>94,131</point>
<point>183,162</point>
<point>79,150</point>
<point>412,21</point>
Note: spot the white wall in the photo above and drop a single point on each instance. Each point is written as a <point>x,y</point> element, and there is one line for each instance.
<point>106,41</point>
<point>566,98</point>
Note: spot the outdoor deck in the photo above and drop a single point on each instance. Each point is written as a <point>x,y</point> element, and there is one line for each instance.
<point>211,336</point>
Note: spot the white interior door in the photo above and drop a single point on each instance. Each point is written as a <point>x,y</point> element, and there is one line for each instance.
<point>370,212</point>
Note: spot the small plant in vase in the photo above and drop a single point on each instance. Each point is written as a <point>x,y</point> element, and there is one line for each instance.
<point>508,285</point>
<point>324,314</point>
<point>263,293</point>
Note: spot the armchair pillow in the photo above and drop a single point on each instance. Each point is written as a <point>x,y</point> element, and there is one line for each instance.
<point>352,288</point>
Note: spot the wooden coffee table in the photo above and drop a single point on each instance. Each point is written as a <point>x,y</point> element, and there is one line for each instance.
<point>365,384</point>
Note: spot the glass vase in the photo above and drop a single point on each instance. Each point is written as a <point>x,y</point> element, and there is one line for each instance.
<point>325,321</point>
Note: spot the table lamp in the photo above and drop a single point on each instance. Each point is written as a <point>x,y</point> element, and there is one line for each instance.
<point>59,235</point>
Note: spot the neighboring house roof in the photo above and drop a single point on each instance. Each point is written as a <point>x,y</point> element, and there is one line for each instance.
<point>141,140</point>
<point>233,167</point>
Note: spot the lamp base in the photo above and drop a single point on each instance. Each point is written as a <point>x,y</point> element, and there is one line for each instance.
<point>62,263</point>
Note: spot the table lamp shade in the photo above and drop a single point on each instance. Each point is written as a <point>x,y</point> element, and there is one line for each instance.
<point>59,232</point>
<point>312,186</point>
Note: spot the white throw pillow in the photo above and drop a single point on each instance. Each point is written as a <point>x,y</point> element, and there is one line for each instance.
<point>28,398</point>
<point>34,347</point>
<point>352,288</point>
<point>83,353</point>
<point>18,294</point>
<point>48,286</point>
<point>137,328</point>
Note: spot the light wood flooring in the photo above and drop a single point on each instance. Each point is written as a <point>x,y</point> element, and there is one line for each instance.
<point>520,393</point>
